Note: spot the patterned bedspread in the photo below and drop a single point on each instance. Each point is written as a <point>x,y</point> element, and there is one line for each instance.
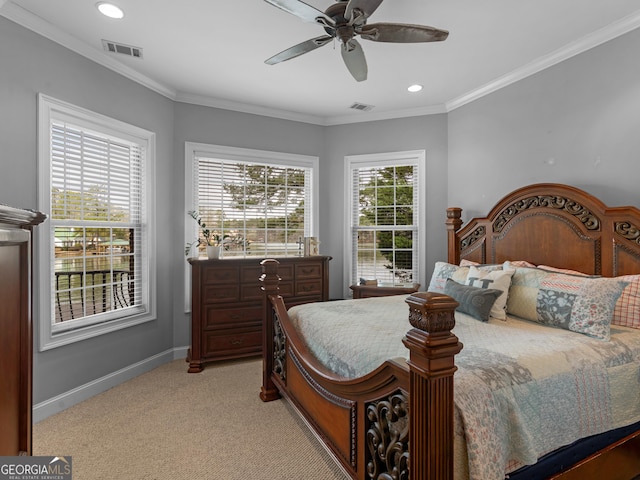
<point>521,390</point>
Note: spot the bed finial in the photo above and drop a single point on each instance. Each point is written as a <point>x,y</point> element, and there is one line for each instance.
<point>454,222</point>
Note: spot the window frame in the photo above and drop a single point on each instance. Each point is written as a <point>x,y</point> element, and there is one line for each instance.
<point>50,336</point>
<point>223,152</point>
<point>381,160</point>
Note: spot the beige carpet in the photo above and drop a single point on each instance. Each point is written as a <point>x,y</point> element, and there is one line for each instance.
<point>168,424</point>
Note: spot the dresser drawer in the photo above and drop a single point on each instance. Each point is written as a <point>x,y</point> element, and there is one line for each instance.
<point>220,275</point>
<point>237,342</point>
<point>308,287</point>
<point>251,274</point>
<point>251,293</point>
<point>308,270</point>
<point>286,289</point>
<point>221,293</point>
<point>285,271</point>
<point>232,317</point>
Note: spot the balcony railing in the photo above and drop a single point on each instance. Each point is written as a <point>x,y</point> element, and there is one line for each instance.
<point>79,294</point>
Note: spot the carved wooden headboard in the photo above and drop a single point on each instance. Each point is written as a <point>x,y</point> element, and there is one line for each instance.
<point>550,224</point>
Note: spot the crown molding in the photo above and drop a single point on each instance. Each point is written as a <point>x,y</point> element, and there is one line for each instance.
<point>611,31</point>
<point>207,101</point>
<point>373,116</point>
<point>32,22</point>
<point>359,117</point>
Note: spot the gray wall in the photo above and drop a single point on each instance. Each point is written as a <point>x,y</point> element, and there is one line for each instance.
<point>32,64</point>
<point>577,123</point>
<point>427,133</point>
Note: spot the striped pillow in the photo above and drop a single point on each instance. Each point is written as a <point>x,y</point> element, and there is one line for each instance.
<point>627,310</point>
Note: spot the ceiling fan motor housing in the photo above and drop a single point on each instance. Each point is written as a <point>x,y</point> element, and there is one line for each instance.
<point>342,29</point>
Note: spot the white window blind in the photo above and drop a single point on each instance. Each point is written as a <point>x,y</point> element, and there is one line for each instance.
<point>258,209</point>
<point>96,200</point>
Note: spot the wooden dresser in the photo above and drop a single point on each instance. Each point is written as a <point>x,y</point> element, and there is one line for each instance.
<point>226,303</point>
<point>16,335</point>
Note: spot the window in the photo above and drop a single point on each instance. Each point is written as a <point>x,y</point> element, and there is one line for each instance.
<point>260,203</point>
<point>385,194</point>
<point>94,184</point>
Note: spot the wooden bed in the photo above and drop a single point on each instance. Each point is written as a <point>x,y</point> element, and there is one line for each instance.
<point>397,422</point>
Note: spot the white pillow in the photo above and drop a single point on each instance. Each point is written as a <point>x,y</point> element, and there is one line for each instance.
<point>444,270</point>
<point>498,279</point>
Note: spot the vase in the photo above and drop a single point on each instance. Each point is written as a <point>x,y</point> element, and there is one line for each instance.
<point>213,251</point>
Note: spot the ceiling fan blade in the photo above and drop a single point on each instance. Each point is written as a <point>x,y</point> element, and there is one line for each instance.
<point>302,10</point>
<point>401,33</point>
<point>299,49</point>
<point>354,59</point>
<point>367,7</point>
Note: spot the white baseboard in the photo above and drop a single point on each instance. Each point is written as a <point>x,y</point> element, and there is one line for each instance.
<point>65,400</point>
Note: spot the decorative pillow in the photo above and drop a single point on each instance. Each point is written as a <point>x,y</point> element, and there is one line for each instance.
<point>627,310</point>
<point>473,301</point>
<point>521,263</point>
<point>564,270</point>
<point>580,304</point>
<point>496,279</point>
<point>444,270</point>
<point>514,263</point>
<point>467,263</point>
<point>483,266</point>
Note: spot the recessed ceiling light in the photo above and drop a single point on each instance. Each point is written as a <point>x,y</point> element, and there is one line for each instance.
<point>110,10</point>
<point>415,88</point>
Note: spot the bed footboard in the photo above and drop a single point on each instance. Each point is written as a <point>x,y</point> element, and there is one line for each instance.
<point>398,418</point>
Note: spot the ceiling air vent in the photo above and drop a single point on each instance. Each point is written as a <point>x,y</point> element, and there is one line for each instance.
<point>113,47</point>
<point>361,106</point>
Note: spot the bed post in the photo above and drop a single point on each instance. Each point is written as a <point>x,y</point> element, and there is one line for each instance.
<point>432,349</point>
<point>270,281</point>
<point>454,222</point>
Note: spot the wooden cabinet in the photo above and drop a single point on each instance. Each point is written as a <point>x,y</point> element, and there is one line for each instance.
<point>15,330</point>
<point>226,303</point>
<point>366,291</point>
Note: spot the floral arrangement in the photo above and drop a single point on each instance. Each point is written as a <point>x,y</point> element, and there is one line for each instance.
<point>210,238</point>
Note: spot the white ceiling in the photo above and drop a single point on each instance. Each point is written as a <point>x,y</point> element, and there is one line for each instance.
<point>212,52</point>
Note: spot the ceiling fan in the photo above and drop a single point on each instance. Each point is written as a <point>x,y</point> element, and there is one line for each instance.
<point>344,20</point>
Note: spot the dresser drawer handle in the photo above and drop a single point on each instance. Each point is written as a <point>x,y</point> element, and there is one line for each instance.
<point>236,342</point>
<point>308,270</point>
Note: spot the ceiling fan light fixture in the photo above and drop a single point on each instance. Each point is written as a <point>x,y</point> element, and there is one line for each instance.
<point>414,88</point>
<point>110,10</point>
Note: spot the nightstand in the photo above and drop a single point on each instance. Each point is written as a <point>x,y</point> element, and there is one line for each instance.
<point>365,291</point>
